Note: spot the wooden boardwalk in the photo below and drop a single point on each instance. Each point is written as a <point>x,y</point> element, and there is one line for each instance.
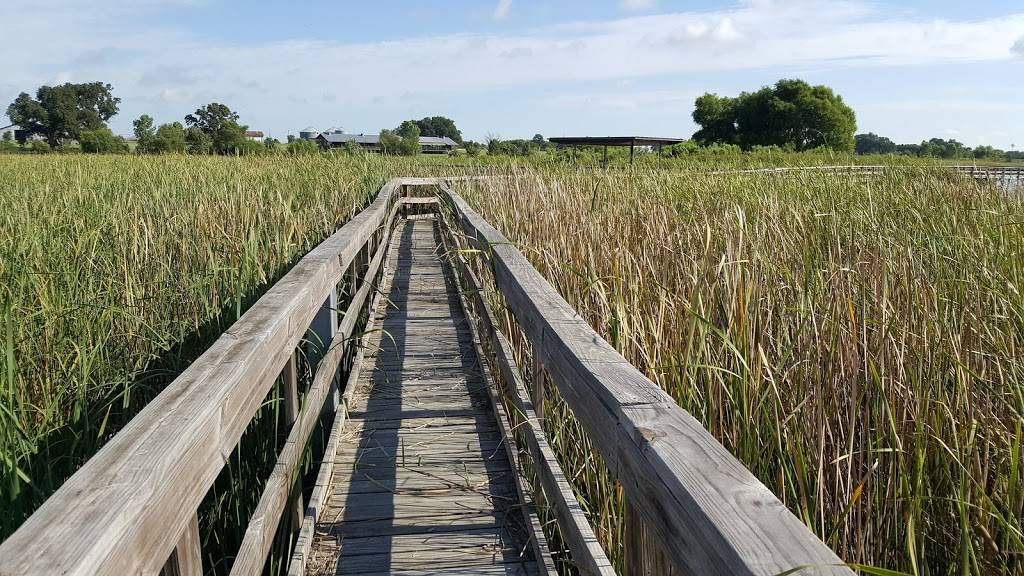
<point>437,461</point>
<point>422,483</point>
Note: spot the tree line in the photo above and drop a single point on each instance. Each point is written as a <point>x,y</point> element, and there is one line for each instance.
<point>57,115</point>
<point>872,143</point>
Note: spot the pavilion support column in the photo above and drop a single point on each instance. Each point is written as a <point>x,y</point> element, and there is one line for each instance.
<point>632,145</point>
<point>606,156</point>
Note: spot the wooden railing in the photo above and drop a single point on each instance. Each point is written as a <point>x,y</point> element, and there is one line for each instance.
<point>131,509</point>
<point>692,508</point>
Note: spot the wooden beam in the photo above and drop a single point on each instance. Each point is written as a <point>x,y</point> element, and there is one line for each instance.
<point>587,554</point>
<point>705,510</point>
<point>187,558</point>
<point>259,535</point>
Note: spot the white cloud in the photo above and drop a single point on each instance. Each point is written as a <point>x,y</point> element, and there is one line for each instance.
<point>502,9</point>
<point>636,5</point>
<point>1018,46</point>
<point>154,66</point>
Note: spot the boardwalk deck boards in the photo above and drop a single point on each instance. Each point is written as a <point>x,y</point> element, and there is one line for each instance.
<point>421,483</point>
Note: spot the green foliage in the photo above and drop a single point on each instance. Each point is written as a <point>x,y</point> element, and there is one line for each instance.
<point>63,112</point>
<point>8,136</point>
<point>8,147</point>
<point>989,153</point>
<point>409,132</point>
<point>299,147</point>
<point>271,144</point>
<point>144,133</point>
<point>126,268</point>
<point>220,124</point>
<point>39,147</point>
<point>498,147</point>
<point>439,126</point>
<point>102,141</point>
<point>872,143</point>
<point>197,141</point>
<point>389,142</point>
<point>791,114</point>
<point>170,138</point>
<point>352,148</point>
<point>939,148</point>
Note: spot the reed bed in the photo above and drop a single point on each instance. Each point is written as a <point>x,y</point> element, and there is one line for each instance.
<point>116,272</point>
<point>855,341</point>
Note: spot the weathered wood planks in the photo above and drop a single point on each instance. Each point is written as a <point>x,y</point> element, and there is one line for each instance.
<point>420,478</point>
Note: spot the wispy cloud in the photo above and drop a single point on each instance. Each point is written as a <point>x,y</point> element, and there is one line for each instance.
<point>132,52</point>
<point>636,5</point>
<point>502,9</point>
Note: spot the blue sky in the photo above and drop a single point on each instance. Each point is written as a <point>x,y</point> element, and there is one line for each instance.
<point>511,68</point>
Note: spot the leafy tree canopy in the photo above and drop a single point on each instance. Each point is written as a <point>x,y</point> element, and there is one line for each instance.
<point>63,112</point>
<point>102,141</point>
<point>389,141</point>
<point>791,114</point>
<point>220,124</point>
<point>440,127</point>
<point>872,143</point>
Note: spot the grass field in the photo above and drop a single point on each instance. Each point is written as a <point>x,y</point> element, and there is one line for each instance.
<point>855,342</point>
<point>116,272</point>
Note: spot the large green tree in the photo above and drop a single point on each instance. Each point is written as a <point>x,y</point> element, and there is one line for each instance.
<point>63,112</point>
<point>409,132</point>
<point>439,126</point>
<point>791,114</point>
<point>220,124</point>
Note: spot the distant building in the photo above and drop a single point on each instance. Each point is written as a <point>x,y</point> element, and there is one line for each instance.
<point>309,133</point>
<point>17,133</point>
<point>371,142</point>
<point>255,135</point>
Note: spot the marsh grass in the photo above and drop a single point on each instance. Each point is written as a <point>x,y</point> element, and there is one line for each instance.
<point>854,341</point>
<point>116,273</point>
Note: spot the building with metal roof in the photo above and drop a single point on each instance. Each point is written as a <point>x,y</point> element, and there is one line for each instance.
<point>371,142</point>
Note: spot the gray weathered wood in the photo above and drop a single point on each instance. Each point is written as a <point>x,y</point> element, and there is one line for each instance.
<point>575,529</point>
<point>263,523</point>
<point>291,414</point>
<point>186,559</point>
<point>704,508</point>
<point>421,455</point>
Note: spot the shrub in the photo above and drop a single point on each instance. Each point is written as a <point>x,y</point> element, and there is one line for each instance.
<point>102,141</point>
<point>39,147</point>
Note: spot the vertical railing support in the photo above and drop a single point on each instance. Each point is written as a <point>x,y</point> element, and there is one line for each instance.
<point>320,335</point>
<point>187,558</point>
<point>291,415</point>
<point>644,556</point>
<point>537,394</point>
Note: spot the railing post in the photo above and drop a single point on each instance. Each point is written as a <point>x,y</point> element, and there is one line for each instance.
<point>291,416</point>
<point>643,555</point>
<point>187,558</point>
<point>320,335</point>
<point>537,394</point>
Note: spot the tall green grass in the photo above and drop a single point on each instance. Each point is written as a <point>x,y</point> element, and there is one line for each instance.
<point>116,272</point>
<point>856,342</point>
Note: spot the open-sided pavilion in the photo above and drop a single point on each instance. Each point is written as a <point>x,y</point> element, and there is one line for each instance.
<point>606,141</point>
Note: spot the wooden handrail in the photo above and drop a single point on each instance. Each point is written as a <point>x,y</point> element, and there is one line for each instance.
<point>126,509</point>
<point>707,511</point>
